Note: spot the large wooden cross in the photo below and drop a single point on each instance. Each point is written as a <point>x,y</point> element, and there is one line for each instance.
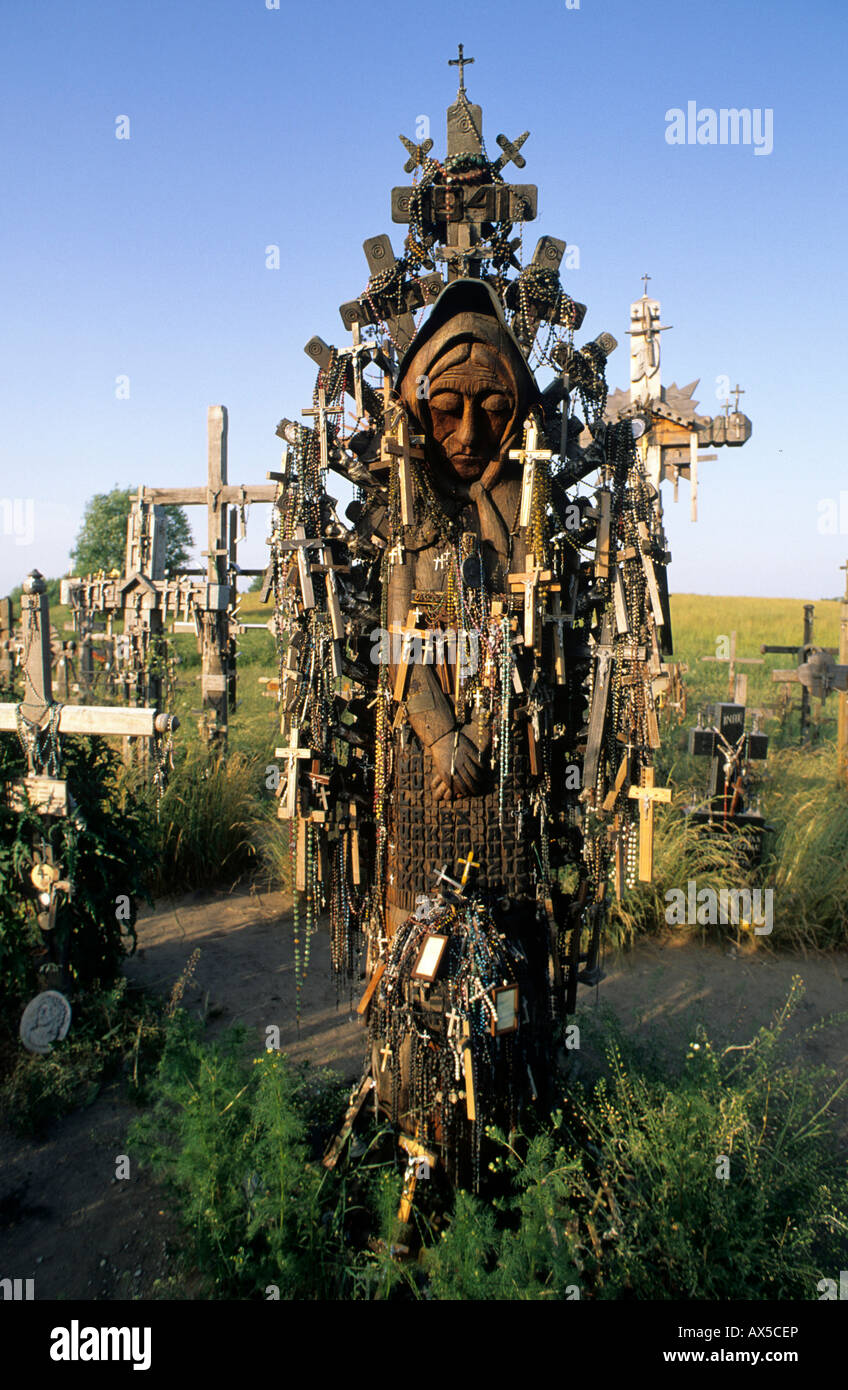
<point>218,597</point>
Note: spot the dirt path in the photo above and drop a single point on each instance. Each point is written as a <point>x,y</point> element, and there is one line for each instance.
<point>67,1222</point>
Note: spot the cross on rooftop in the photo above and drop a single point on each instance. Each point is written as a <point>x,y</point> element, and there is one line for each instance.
<point>461,63</point>
<point>645,279</point>
<point>737,391</point>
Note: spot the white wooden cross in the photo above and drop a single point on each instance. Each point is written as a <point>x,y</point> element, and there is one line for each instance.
<point>295,754</point>
<point>528,457</point>
<point>529,582</point>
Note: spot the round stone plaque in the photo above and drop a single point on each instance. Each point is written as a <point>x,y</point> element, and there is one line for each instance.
<point>46,1019</point>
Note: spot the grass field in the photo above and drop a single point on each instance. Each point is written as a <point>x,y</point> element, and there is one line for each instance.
<point>806,858</point>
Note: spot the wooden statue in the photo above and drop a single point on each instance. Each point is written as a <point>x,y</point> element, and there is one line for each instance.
<point>469,670</point>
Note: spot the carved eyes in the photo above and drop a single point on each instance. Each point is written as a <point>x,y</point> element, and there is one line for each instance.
<point>452,403</point>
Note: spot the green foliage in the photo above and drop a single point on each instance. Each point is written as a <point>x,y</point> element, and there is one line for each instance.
<point>115,1031</point>
<point>620,1198</point>
<point>208,822</point>
<point>104,856</point>
<point>619,1195</point>
<point>238,1141</point>
<point>102,540</point>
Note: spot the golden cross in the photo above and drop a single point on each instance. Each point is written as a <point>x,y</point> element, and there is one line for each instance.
<point>468,863</point>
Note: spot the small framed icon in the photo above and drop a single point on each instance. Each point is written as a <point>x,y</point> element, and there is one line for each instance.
<point>505,1000</point>
<point>430,957</point>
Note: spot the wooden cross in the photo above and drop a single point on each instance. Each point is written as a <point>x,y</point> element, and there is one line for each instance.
<point>321,412</point>
<point>468,863</point>
<point>558,620</point>
<point>443,877</point>
<point>598,712</point>
<point>404,452</point>
<point>528,457</point>
<point>406,634</point>
<point>529,582</point>
<point>217,595</point>
<point>393,305</point>
<point>510,151</point>
<point>385,1053</point>
<point>737,391</point>
<point>295,754</point>
<point>417,153</point>
<point>462,64</point>
<point>647,794</point>
<point>645,279</point>
<point>734,691</point>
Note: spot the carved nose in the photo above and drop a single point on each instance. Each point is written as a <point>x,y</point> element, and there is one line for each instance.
<point>467,431</point>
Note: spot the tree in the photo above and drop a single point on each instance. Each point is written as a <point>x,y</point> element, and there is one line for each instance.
<point>102,540</point>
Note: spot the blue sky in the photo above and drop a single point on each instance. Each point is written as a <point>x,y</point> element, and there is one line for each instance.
<point>252,126</point>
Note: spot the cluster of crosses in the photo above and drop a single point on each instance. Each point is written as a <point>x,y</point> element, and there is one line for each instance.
<point>201,601</point>
<point>39,721</point>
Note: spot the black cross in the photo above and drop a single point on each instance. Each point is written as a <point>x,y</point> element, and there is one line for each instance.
<point>645,279</point>
<point>460,62</point>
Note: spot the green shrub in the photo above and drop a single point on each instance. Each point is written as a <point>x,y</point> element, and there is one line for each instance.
<point>620,1198</point>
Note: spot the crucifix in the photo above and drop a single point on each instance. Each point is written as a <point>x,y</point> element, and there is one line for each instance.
<point>528,457</point>
<point>322,411</point>
<point>461,63</point>
<point>737,391</point>
<point>529,581</point>
<point>288,804</point>
<point>404,452</point>
<point>647,794</point>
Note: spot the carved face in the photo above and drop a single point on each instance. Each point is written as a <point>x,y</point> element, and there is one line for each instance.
<point>472,407</point>
<point>469,417</point>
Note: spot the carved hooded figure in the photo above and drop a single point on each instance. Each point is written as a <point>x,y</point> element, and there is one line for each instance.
<point>466,385</point>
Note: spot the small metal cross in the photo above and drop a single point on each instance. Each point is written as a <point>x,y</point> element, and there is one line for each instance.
<point>737,391</point>
<point>645,279</point>
<point>461,63</point>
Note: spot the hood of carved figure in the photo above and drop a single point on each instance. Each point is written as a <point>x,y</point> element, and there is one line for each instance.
<point>465,382</point>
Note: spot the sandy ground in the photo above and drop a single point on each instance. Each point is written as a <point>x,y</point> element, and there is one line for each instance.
<point>66,1221</point>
